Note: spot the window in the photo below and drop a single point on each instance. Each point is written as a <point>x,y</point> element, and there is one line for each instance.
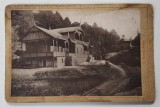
<point>62,60</point>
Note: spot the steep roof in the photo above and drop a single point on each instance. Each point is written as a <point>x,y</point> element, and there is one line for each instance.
<point>56,33</point>
<point>80,42</point>
<point>67,29</point>
<point>52,33</point>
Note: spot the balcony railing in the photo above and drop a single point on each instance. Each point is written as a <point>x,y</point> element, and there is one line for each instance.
<point>59,53</point>
<point>40,54</point>
<point>43,54</point>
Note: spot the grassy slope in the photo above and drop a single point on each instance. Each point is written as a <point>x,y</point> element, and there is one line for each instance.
<point>130,58</point>
<point>130,62</point>
<point>64,81</point>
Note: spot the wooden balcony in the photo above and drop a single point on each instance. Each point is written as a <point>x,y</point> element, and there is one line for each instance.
<point>59,54</point>
<point>43,54</point>
<point>40,54</point>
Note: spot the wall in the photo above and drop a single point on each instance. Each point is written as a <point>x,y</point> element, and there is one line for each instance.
<point>79,52</point>
<point>60,62</point>
<point>3,103</point>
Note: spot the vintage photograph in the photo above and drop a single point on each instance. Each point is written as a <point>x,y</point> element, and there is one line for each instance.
<point>76,53</point>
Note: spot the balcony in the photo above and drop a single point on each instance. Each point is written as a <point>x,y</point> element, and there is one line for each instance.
<point>59,54</point>
<point>43,54</point>
<point>40,54</point>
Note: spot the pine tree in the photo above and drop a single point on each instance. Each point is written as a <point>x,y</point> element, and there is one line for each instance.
<point>67,22</point>
<point>44,19</point>
<point>58,20</point>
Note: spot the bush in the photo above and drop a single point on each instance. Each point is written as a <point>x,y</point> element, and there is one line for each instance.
<point>130,58</point>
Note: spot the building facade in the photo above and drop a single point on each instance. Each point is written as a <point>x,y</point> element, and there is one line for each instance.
<point>50,48</point>
<point>125,43</point>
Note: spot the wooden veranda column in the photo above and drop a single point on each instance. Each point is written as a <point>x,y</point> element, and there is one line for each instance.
<point>53,52</point>
<point>37,52</point>
<point>22,55</point>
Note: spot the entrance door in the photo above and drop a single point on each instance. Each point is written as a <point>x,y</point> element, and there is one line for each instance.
<point>44,62</point>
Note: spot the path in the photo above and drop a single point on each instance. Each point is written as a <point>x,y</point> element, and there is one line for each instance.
<point>121,71</point>
<point>110,85</point>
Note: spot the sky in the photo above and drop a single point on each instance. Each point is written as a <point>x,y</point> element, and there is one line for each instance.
<point>125,22</point>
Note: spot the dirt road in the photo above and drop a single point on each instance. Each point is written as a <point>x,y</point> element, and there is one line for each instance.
<point>110,85</point>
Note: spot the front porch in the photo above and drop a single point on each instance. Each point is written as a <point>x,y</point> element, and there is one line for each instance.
<point>38,62</point>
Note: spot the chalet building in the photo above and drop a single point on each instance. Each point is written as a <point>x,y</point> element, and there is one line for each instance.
<point>49,48</point>
<point>125,43</point>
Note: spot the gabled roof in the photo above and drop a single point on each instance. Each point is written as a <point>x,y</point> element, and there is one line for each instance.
<point>73,41</point>
<point>56,33</point>
<point>67,29</point>
<point>80,42</point>
<point>51,33</point>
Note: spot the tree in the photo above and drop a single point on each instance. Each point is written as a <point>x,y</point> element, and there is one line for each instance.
<point>21,21</point>
<point>44,19</point>
<point>114,39</point>
<point>95,25</point>
<point>75,24</point>
<point>67,22</point>
<point>87,29</point>
<point>58,20</point>
<point>49,20</point>
<point>136,41</point>
<point>16,45</point>
<point>102,40</point>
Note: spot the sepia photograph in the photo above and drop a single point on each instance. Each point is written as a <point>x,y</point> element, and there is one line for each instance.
<point>75,52</point>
